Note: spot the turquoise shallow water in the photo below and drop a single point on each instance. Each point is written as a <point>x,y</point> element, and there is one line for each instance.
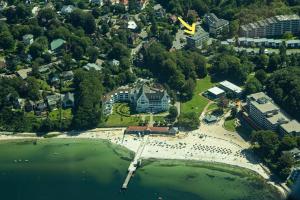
<point>88,169</point>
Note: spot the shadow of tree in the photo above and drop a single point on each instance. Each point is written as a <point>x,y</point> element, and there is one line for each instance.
<point>250,156</point>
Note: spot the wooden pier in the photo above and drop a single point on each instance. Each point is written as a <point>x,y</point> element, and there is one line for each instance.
<point>134,164</point>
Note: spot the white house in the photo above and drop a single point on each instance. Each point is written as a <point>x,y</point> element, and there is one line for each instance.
<point>143,99</point>
<point>132,25</point>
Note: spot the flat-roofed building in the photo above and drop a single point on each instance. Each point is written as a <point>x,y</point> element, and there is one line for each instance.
<point>216,26</point>
<point>274,26</point>
<point>230,87</point>
<point>198,40</point>
<point>215,93</point>
<point>265,42</point>
<point>269,116</point>
<point>291,128</point>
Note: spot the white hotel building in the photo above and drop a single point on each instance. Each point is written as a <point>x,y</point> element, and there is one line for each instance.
<point>143,99</point>
<point>268,115</point>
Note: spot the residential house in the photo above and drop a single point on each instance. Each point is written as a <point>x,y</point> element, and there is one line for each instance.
<point>68,100</point>
<point>67,9</point>
<point>173,19</point>
<point>57,44</point>
<point>23,73</point>
<point>29,106</point>
<point>142,4</point>
<point>55,80</point>
<point>93,66</point>
<point>27,39</point>
<point>131,25</point>
<point>67,75</point>
<point>294,152</point>
<point>159,11</point>
<point>44,69</point>
<point>96,2</point>
<point>19,103</point>
<point>53,101</point>
<point>3,5</point>
<point>115,62</point>
<point>40,108</point>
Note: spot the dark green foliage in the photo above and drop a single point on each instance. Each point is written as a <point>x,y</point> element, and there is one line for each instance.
<point>87,112</point>
<point>189,121</point>
<point>83,19</point>
<point>253,86</point>
<point>270,147</point>
<point>230,67</point>
<point>284,87</point>
<point>173,113</point>
<point>7,41</point>
<point>177,69</point>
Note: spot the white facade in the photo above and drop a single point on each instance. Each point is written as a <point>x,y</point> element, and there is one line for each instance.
<point>144,99</point>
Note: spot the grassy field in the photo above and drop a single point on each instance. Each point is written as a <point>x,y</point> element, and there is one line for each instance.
<point>66,114</point>
<point>121,117</point>
<point>212,106</point>
<point>229,124</point>
<point>198,102</point>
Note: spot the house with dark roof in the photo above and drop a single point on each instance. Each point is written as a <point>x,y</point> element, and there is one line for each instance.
<point>68,100</point>
<point>29,106</point>
<point>53,101</point>
<point>67,75</point>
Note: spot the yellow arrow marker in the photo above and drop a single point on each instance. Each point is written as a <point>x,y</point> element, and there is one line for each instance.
<point>191,29</point>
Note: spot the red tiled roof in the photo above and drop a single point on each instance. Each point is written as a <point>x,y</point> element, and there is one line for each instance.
<point>159,129</point>
<point>146,128</point>
<point>136,128</point>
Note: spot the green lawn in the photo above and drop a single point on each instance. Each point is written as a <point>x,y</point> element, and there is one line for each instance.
<point>212,106</point>
<point>229,124</point>
<point>121,117</point>
<point>158,118</point>
<point>66,114</point>
<point>198,102</point>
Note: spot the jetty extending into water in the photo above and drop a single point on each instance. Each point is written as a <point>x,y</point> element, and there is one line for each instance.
<point>136,162</point>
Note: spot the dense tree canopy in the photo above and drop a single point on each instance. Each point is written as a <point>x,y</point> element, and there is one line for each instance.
<point>284,87</point>
<point>88,105</point>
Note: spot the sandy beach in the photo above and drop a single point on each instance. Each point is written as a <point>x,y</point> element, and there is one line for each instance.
<point>211,143</point>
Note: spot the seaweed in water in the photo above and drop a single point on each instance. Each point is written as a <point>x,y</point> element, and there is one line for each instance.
<point>125,158</point>
<point>229,178</point>
<point>210,176</point>
<point>190,176</point>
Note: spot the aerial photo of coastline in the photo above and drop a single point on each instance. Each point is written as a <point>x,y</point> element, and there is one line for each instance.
<point>149,99</point>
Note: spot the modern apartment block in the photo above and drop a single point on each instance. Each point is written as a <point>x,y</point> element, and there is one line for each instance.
<point>143,98</point>
<point>268,115</point>
<point>216,26</point>
<point>262,42</point>
<point>197,40</point>
<point>273,26</point>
